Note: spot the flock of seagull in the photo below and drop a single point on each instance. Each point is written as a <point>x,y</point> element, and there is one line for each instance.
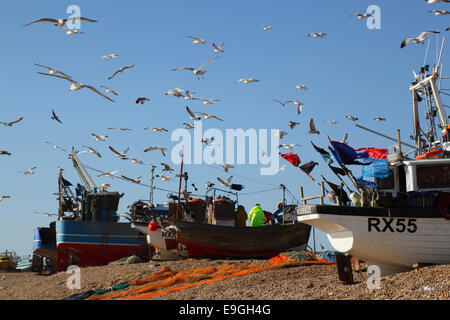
<point>198,72</point>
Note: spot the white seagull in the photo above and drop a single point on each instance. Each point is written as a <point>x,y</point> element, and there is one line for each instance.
<point>419,39</point>
<point>440,12</point>
<point>166,168</point>
<point>78,85</point>
<point>292,124</point>
<point>197,40</point>
<point>56,146</point>
<point>91,150</point>
<point>196,71</point>
<point>121,70</point>
<point>218,48</point>
<point>349,117</point>
<point>108,174</point>
<point>162,149</point>
<point>177,92</point>
<point>4,197</point>
<point>209,116</point>
<point>299,105</point>
<point>53,71</point>
<point>361,15</point>
<point>29,171</point>
<point>227,167</point>
<point>111,56</point>
<point>225,183</point>
<point>102,137</point>
<point>108,90</point>
<point>265,28</point>
<point>317,34</point>
<point>60,22</point>
<point>301,87</point>
<point>117,153</point>
<point>137,180</point>
<point>155,130</point>
<point>192,116</point>
<point>249,80</point>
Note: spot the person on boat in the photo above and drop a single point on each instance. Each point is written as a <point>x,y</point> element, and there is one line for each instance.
<point>257,216</point>
<point>268,216</point>
<point>241,217</point>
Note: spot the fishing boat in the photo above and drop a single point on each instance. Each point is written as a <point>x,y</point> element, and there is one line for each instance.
<point>7,260</point>
<point>25,263</point>
<point>199,228</point>
<point>412,226</point>
<point>87,231</point>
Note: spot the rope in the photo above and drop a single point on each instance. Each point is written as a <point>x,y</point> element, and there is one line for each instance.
<point>256,192</point>
<point>243,177</point>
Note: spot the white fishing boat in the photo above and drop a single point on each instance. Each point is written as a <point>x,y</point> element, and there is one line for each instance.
<point>416,228</point>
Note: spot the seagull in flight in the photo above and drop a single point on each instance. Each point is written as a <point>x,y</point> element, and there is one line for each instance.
<point>73,31</point>
<point>440,12</point>
<point>331,121</point>
<point>108,90</point>
<point>419,39</point>
<point>177,92</point>
<point>188,126</point>
<point>209,116</point>
<point>249,80</point>
<point>120,129</point>
<point>280,134</point>
<point>317,34</point>
<point>227,167</point>
<point>225,183</point>
<point>189,95</point>
<point>142,100</point>
<point>162,149</point>
<point>29,171</point>
<point>56,146</point>
<point>266,28</point>
<point>292,124</point>
<point>109,57</point>
<point>197,71</point>
<point>436,1</point>
<point>192,116</point>
<point>312,128</point>
<point>60,22</point>
<point>218,48</point>
<point>102,137</point>
<point>166,168</point>
<point>55,117</point>
<point>137,180</point>
<point>197,40</point>
<point>121,70</point>
<point>10,124</point>
<point>134,161</point>
<point>4,197</point>
<point>91,150</point>
<point>301,87</point>
<point>108,174</point>
<point>4,153</point>
<point>349,117</point>
<point>53,71</point>
<point>119,154</point>
<point>288,146</point>
<point>206,101</point>
<point>281,103</point>
<point>47,214</point>
<point>299,105</point>
<point>361,15</point>
<point>77,85</point>
<point>155,130</point>
<point>380,119</point>
<point>163,178</point>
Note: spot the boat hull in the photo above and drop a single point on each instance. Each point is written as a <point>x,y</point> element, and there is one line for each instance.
<point>208,241</point>
<point>394,243</point>
<point>86,244</point>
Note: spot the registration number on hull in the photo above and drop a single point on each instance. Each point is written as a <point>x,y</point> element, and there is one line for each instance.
<point>397,225</point>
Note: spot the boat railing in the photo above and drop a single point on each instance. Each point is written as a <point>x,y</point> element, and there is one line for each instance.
<point>306,199</point>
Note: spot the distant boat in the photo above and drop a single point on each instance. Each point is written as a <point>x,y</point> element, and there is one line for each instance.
<point>25,263</point>
<point>7,260</point>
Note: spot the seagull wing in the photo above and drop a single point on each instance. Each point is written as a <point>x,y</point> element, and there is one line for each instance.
<point>42,20</point>
<point>204,64</point>
<point>423,34</point>
<point>55,75</point>
<point>96,91</point>
<point>216,118</point>
<point>190,112</point>
<point>18,120</point>
<point>183,68</point>
<point>222,182</point>
<point>115,151</point>
<point>312,126</point>
<point>80,18</point>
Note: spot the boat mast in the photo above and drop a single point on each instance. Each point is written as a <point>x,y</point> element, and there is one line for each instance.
<point>151,184</point>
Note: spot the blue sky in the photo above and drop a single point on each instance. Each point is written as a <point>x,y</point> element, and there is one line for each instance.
<point>353,70</point>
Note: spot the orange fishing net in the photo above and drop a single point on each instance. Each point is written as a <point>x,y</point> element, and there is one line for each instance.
<point>166,278</point>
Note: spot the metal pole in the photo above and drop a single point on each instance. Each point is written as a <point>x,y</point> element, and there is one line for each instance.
<point>384,136</point>
<point>179,187</point>
<point>284,199</point>
<point>151,184</point>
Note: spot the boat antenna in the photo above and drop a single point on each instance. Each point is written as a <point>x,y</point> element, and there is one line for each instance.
<point>179,187</point>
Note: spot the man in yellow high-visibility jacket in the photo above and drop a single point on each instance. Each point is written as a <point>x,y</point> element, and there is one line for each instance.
<point>257,216</point>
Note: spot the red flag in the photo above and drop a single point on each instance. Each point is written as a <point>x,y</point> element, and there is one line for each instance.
<point>292,158</point>
<point>375,153</point>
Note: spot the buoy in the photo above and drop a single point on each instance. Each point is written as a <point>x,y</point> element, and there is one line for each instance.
<point>152,226</point>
